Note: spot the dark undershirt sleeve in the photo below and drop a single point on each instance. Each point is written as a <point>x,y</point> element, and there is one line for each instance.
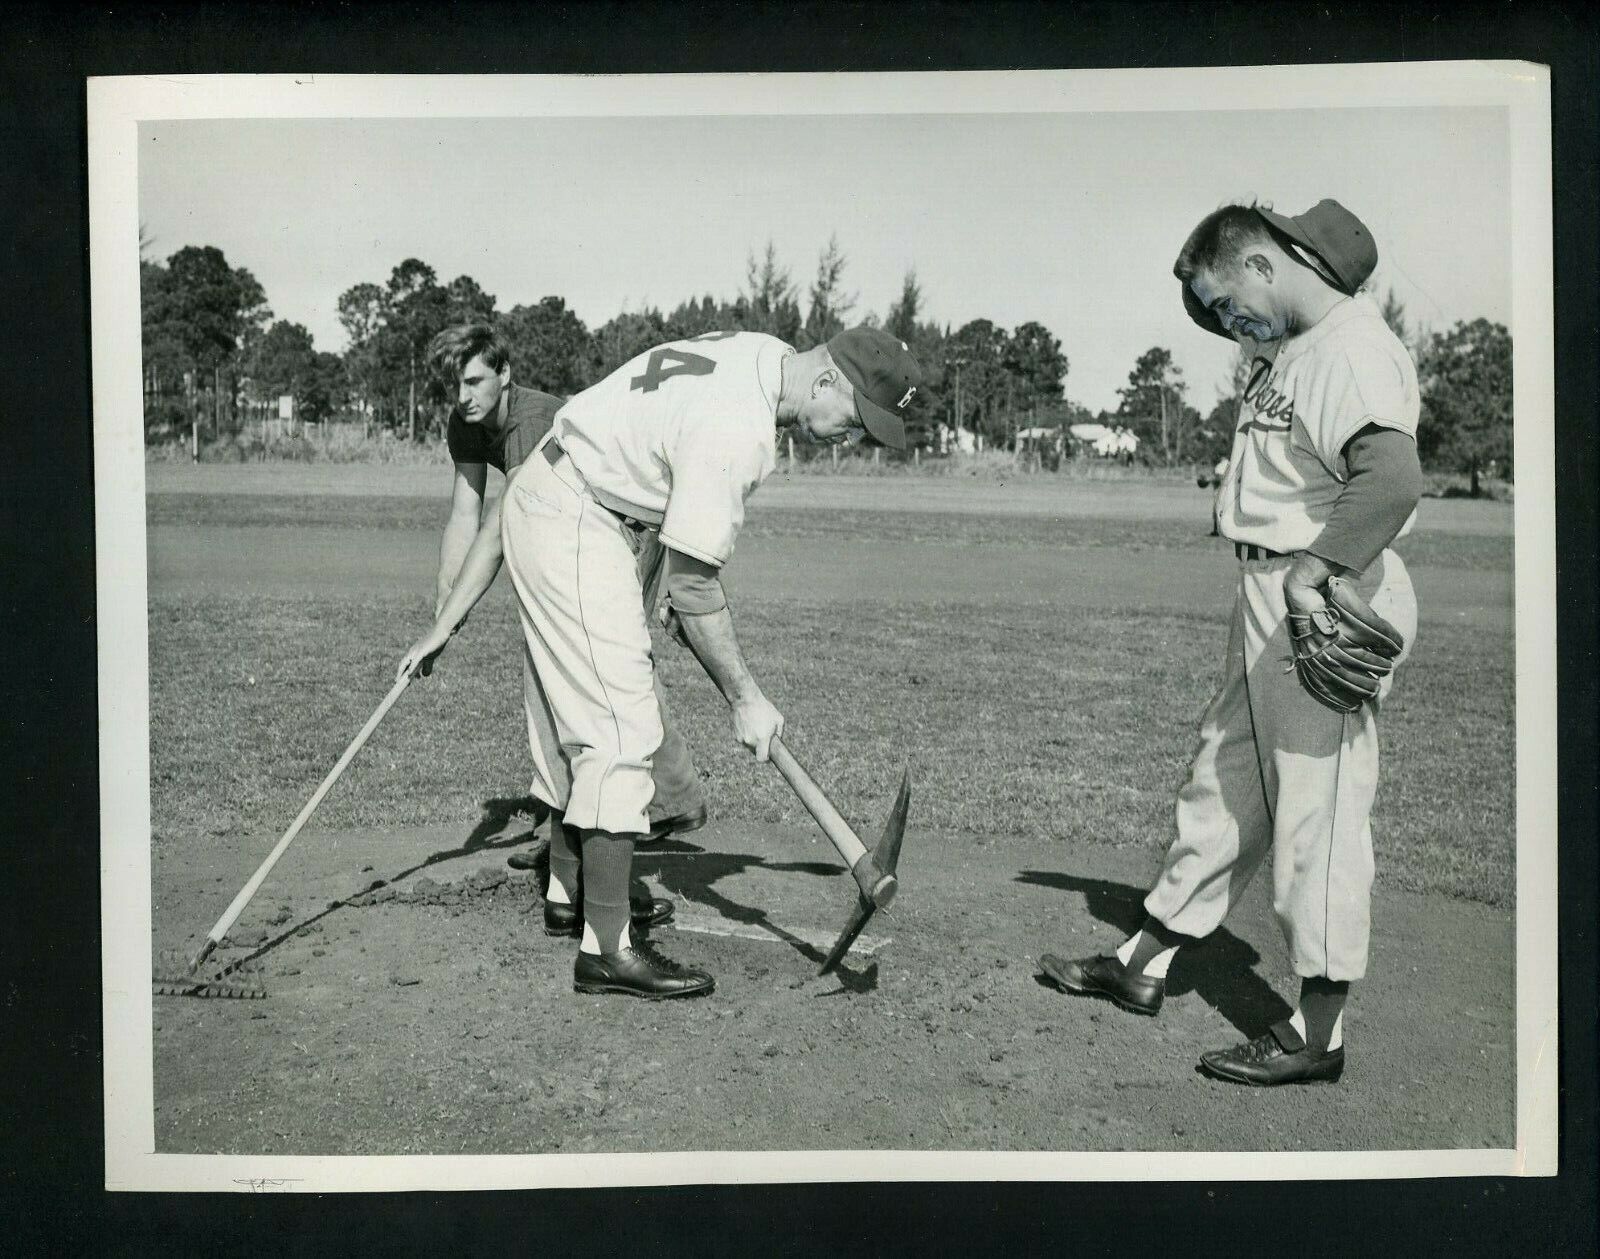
<point>1385,484</point>
<point>694,586</point>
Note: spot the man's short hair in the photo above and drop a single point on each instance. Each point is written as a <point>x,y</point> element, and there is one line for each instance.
<point>455,347</point>
<point>1221,240</point>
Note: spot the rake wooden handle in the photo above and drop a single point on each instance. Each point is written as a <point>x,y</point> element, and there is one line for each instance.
<point>875,885</point>
<point>231,914</point>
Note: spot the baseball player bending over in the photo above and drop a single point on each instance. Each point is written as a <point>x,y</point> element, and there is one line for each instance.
<point>1323,477</point>
<point>498,422</point>
<point>667,447</point>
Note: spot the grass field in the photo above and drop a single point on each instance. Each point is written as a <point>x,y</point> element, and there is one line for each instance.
<point>1043,715</point>
<point>1038,653</point>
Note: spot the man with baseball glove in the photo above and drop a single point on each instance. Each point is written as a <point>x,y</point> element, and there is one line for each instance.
<point>1323,477</point>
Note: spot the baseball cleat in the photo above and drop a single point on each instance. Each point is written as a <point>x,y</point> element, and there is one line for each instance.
<point>1105,976</point>
<point>638,972</point>
<point>1279,1057</point>
<point>681,824</point>
<point>644,911</point>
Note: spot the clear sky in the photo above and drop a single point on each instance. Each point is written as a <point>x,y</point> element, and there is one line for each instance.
<point>1069,219</point>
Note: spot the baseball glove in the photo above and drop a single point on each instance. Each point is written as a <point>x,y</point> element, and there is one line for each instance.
<point>1343,651</point>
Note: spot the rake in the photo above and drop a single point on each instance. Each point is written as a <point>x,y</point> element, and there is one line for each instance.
<point>178,976</point>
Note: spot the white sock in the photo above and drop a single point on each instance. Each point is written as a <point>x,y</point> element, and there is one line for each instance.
<point>1126,948</point>
<point>591,942</point>
<point>1297,1021</point>
<point>1156,967</point>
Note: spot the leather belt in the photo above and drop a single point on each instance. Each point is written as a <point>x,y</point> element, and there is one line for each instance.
<point>1250,551</point>
<point>554,454</point>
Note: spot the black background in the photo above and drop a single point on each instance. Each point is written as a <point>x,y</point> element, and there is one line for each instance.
<point>51,1199</point>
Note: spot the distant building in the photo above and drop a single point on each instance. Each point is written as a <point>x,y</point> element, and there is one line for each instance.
<point>961,440</point>
<point>1105,441</point>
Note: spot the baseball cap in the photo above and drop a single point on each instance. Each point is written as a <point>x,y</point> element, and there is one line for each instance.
<point>1342,250</point>
<point>1338,238</point>
<point>885,376</point>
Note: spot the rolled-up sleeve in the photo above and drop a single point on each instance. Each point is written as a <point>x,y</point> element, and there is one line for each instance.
<point>1364,386</point>
<point>715,467</point>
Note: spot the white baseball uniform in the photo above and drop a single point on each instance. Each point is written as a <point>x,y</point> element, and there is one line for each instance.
<point>1276,771</point>
<point>674,440</point>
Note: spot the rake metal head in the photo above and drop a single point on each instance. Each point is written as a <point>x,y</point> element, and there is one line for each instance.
<point>885,860</point>
<point>177,976</point>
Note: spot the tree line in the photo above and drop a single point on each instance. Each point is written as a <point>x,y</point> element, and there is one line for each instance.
<point>215,356</point>
<point>1463,378</point>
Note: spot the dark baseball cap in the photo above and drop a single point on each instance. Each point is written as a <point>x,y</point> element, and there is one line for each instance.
<point>885,376</point>
<point>1338,238</point>
<point>1343,250</point>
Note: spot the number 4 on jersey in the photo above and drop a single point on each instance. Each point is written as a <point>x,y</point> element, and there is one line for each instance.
<point>666,363</point>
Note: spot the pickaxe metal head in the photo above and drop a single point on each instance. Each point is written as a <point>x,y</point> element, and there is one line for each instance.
<point>875,876</point>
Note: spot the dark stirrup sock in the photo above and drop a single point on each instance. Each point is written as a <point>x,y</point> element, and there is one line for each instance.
<point>564,861</point>
<point>1155,937</point>
<point>1321,1003</point>
<point>607,865</point>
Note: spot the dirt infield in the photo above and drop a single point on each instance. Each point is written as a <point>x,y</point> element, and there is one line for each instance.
<point>417,1007</point>
<point>434,1016</point>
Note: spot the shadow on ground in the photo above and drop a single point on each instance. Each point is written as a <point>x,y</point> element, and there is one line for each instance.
<point>1221,969</point>
<point>487,836</point>
<point>693,881</point>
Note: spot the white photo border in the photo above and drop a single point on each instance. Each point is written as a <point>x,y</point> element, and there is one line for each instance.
<point>116,107</point>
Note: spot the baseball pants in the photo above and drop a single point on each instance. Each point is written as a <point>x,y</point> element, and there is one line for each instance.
<point>1276,772</point>
<point>575,568</point>
<point>678,789</point>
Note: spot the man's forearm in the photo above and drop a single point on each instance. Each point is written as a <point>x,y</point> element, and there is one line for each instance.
<point>477,572</point>
<point>710,636</point>
<point>1384,485</point>
<point>459,534</point>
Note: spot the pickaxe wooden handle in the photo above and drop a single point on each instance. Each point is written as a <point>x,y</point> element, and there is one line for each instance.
<point>878,886</point>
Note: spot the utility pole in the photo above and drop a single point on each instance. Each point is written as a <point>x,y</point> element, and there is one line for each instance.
<point>1166,444</point>
<point>1011,415</point>
<point>958,364</point>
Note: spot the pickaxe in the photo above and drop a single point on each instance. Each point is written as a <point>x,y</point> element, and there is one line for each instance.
<point>873,869</point>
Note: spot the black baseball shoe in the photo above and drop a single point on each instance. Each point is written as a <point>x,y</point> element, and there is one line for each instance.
<point>1105,976</point>
<point>644,912</point>
<point>1280,1057</point>
<point>680,824</point>
<point>638,972</point>
<point>535,858</point>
